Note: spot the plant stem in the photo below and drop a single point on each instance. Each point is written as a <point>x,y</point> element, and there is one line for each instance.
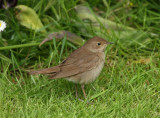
<point>21,46</point>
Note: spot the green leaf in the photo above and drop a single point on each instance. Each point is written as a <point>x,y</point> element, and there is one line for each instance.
<point>28,18</point>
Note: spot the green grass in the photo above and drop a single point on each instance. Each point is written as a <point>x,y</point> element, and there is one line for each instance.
<point>128,86</point>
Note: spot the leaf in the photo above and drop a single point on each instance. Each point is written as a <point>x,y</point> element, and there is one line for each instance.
<point>84,13</point>
<point>69,35</point>
<point>96,21</point>
<point>28,18</point>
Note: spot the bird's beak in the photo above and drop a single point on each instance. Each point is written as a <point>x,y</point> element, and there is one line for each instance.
<point>110,43</point>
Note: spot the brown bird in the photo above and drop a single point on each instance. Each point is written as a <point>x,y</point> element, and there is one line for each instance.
<point>82,66</point>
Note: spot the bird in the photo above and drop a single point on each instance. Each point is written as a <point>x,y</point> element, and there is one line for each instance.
<point>82,66</point>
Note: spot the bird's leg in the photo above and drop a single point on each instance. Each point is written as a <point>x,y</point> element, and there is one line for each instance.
<point>82,86</point>
<point>76,90</point>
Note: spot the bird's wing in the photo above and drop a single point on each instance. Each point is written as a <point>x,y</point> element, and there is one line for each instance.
<point>53,70</point>
<point>76,65</point>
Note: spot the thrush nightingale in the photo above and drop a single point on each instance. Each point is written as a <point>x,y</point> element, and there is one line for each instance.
<point>82,66</point>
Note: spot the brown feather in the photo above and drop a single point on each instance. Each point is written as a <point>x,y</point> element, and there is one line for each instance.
<point>46,71</point>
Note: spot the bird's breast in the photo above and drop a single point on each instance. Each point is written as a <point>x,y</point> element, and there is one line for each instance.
<point>91,75</point>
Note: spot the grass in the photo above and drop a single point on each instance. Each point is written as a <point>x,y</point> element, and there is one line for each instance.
<point>128,86</point>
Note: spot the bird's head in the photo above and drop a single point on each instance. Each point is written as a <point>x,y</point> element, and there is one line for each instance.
<point>97,44</point>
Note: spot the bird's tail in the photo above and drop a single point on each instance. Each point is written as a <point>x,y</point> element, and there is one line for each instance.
<point>49,71</point>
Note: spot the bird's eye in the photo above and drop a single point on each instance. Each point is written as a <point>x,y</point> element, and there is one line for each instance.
<point>98,43</point>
